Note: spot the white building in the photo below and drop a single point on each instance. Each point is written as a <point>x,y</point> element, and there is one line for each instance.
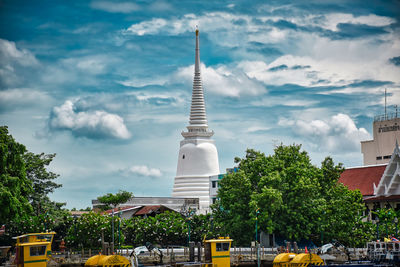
<point>386,130</point>
<point>198,156</point>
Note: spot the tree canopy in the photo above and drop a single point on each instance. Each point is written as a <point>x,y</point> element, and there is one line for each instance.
<point>25,183</point>
<point>15,187</point>
<point>115,199</point>
<point>295,199</point>
<point>42,181</point>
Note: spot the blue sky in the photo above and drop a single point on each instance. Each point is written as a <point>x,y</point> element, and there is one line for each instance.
<point>106,85</point>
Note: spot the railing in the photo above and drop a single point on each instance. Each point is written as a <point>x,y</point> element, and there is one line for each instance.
<point>181,254</point>
<point>386,117</point>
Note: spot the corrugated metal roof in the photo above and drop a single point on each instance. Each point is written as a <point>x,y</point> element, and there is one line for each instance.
<point>122,209</point>
<point>148,210</point>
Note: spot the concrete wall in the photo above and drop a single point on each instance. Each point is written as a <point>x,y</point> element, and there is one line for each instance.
<point>379,150</point>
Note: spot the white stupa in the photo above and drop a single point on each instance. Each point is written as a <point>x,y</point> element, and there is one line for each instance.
<point>198,156</point>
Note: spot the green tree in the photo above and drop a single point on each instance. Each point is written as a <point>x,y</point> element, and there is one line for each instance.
<point>86,231</point>
<point>114,201</point>
<point>15,187</point>
<point>42,181</point>
<point>296,199</point>
<point>168,228</point>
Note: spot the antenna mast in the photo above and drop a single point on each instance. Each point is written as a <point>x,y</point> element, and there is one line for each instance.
<point>385,106</point>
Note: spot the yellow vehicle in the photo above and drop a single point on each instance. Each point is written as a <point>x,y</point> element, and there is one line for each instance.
<point>305,259</point>
<point>283,259</point>
<point>297,260</point>
<point>110,260</point>
<point>217,252</point>
<point>33,250</point>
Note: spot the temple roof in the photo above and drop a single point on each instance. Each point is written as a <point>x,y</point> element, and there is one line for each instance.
<point>389,184</point>
<point>362,178</point>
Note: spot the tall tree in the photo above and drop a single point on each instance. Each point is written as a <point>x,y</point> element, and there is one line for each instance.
<point>42,181</point>
<point>15,187</point>
<point>114,201</point>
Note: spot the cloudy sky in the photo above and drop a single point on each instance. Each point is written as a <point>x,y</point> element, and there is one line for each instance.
<point>106,85</point>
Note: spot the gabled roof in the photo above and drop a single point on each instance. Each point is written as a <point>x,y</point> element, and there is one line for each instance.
<point>122,209</point>
<point>363,178</point>
<point>147,210</point>
<point>389,184</point>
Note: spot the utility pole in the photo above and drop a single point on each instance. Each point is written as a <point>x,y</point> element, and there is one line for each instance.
<point>257,244</point>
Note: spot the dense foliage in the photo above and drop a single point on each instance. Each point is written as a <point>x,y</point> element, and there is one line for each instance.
<point>86,231</point>
<point>295,199</point>
<point>15,187</point>
<point>42,182</point>
<point>25,184</point>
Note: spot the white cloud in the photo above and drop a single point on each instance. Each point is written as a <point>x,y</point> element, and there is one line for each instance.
<point>332,20</point>
<point>270,101</point>
<point>145,171</point>
<point>9,51</point>
<point>21,97</point>
<point>141,82</point>
<point>337,134</point>
<point>81,69</point>
<point>330,62</point>
<point>223,81</point>
<point>90,124</point>
<point>12,63</point>
<point>341,63</point>
<point>114,7</point>
<point>254,129</point>
<point>96,64</point>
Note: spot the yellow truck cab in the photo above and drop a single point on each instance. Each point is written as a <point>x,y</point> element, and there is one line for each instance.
<point>217,252</point>
<point>33,250</point>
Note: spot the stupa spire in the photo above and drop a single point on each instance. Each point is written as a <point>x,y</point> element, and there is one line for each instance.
<point>198,125</point>
<point>198,115</point>
<point>198,155</point>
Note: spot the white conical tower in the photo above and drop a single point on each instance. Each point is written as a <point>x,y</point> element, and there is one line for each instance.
<point>198,156</point>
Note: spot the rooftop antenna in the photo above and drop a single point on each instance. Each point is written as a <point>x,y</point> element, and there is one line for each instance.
<point>385,106</point>
<point>395,106</point>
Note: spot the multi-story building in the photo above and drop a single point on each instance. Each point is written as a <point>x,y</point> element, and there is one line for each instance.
<point>386,130</point>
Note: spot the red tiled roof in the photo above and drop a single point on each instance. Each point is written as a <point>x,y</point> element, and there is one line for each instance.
<point>363,178</point>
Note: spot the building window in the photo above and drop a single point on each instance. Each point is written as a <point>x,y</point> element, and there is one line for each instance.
<point>387,157</point>
<point>379,158</point>
<point>183,156</point>
<point>214,184</point>
<point>214,200</point>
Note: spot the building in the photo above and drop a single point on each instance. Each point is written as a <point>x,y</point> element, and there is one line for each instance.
<point>386,130</point>
<point>198,156</point>
<point>214,183</point>
<point>379,184</point>
<point>142,211</point>
<point>176,204</point>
